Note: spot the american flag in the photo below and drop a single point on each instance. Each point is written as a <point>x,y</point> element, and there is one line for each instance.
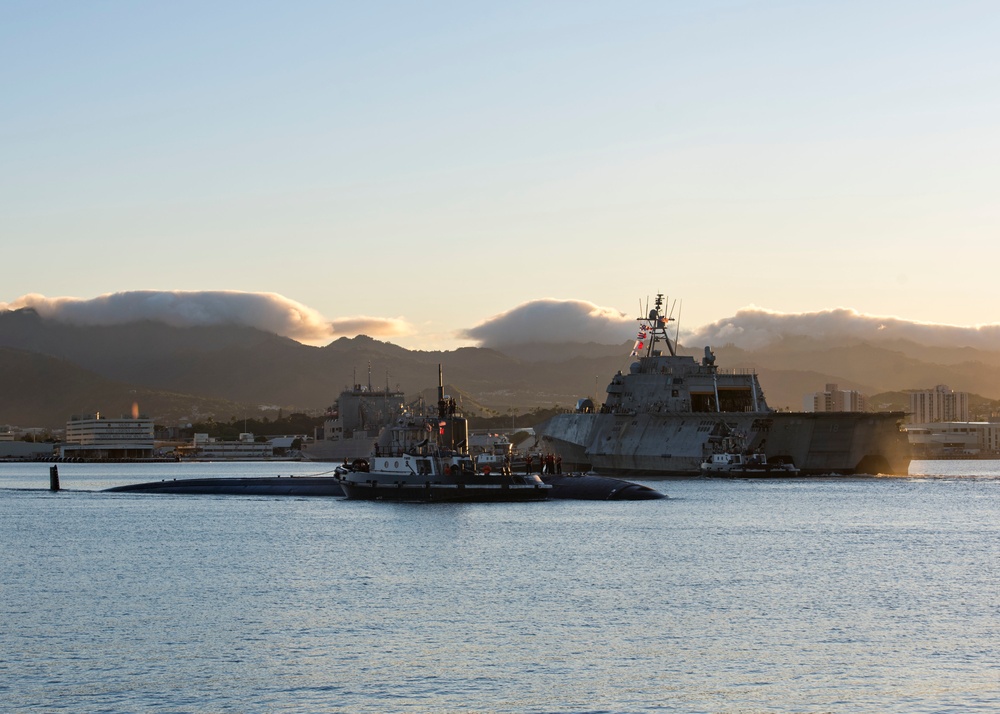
<point>640,341</point>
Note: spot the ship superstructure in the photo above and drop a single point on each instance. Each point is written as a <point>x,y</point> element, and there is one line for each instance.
<point>670,412</point>
<point>355,422</point>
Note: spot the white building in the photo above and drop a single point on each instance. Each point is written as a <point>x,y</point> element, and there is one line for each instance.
<point>245,447</point>
<point>938,404</point>
<point>93,437</point>
<point>954,438</point>
<point>834,399</point>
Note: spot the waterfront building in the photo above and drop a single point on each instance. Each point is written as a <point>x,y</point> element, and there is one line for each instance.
<point>246,446</point>
<point>96,437</point>
<point>834,399</point>
<point>954,439</point>
<point>940,404</point>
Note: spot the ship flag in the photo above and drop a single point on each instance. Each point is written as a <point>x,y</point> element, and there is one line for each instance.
<point>640,341</point>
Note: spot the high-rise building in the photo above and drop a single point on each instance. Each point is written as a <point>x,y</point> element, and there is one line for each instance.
<point>938,404</point>
<point>834,399</point>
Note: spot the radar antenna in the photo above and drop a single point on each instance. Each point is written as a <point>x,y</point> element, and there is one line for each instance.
<point>677,327</point>
<point>656,323</point>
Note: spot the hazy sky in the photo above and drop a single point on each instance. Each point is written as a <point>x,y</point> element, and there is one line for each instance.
<point>437,164</point>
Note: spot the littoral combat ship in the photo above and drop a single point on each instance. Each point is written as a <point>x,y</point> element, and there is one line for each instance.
<point>671,412</point>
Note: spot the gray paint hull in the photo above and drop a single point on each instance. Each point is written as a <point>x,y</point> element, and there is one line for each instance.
<point>339,450</point>
<point>672,444</point>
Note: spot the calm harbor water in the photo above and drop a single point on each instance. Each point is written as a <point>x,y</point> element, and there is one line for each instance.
<point>811,595</point>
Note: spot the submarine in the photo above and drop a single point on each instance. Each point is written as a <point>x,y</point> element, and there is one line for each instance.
<point>582,487</point>
<point>416,455</point>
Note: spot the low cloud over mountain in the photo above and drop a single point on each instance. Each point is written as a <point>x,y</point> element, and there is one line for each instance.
<point>754,328</point>
<point>561,321</point>
<point>266,311</point>
<point>541,322</point>
<point>77,355</point>
<point>553,321</point>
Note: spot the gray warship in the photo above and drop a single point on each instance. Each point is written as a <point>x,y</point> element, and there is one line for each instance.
<point>355,422</point>
<point>671,412</point>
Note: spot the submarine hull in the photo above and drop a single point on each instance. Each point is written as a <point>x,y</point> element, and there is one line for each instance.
<point>255,486</point>
<point>593,487</point>
<point>587,487</point>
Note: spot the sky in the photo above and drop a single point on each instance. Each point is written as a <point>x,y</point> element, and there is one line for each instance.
<point>426,172</point>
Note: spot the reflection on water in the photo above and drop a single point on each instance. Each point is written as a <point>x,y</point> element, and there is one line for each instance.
<point>856,595</point>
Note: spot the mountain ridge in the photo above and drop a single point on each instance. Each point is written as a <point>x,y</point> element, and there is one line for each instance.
<point>224,371</point>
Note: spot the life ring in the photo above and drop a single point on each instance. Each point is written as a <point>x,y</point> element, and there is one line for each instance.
<point>486,470</point>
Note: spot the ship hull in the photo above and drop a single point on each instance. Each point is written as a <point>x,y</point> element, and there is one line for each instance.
<point>592,487</point>
<point>442,493</point>
<point>676,445</point>
<point>325,486</point>
<point>339,449</point>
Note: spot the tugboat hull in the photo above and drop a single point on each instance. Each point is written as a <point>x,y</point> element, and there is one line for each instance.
<point>443,492</point>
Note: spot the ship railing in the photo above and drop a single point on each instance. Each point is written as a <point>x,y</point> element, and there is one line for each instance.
<point>624,411</point>
<point>735,371</point>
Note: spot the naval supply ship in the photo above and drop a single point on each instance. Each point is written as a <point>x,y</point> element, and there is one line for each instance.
<point>355,422</point>
<point>671,413</point>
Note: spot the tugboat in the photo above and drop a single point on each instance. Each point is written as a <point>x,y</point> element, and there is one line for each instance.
<point>745,466</point>
<point>663,416</point>
<point>427,459</point>
<point>492,450</point>
<point>734,457</point>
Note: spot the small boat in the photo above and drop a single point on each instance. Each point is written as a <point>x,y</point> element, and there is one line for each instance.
<point>745,465</point>
<point>493,451</point>
<point>427,459</point>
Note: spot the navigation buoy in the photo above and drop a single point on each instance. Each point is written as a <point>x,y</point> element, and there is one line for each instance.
<point>53,478</point>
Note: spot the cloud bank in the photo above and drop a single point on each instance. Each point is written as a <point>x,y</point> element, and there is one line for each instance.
<point>265,311</point>
<point>538,321</point>
<point>753,328</point>
<point>556,321</point>
<point>553,321</point>
<point>371,326</point>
